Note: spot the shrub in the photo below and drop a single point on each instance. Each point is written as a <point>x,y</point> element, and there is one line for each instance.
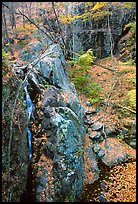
<point>3,54</point>
<point>80,77</point>
<point>132,98</point>
<point>132,25</point>
<point>22,43</point>
<point>87,58</point>
<point>27,27</point>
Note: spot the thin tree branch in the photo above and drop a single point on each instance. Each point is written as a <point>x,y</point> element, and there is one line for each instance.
<point>104,67</point>
<point>53,6</point>
<point>20,13</point>
<point>120,106</point>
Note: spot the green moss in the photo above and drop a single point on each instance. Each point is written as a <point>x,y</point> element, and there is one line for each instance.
<point>132,98</point>
<point>120,137</point>
<point>123,113</point>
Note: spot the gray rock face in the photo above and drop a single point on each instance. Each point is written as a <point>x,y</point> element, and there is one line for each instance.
<point>133,144</point>
<point>52,68</point>
<point>63,125</point>
<point>99,39</point>
<point>30,55</point>
<point>92,171</point>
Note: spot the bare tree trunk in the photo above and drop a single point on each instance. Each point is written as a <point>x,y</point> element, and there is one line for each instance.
<point>12,19</point>
<point>5,24</point>
<point>22,5</point>
<point>6,31</point>
<point>58,23</point>
<point>28,9</point>
<point>73,43</point>
<point>111,42</point>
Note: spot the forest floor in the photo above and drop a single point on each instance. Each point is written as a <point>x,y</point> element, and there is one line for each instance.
<point>121,182</point>
<point>114,94</point>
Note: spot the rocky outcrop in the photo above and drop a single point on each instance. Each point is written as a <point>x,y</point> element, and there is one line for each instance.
<point>94,32</point>
<point>61,166</point>
<point>65,158</point>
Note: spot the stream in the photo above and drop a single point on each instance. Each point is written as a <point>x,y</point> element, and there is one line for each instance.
<point>30,109</point>
<point>29,192</point>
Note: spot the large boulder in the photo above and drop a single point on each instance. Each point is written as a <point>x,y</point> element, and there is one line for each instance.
<point>62,123</point>
<point>116,151</point>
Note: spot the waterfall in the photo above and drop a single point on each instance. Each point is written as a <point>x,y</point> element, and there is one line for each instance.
<point>30,109</point>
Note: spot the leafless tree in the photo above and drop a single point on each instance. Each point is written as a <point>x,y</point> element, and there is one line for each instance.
<point>5,36</point>
<point>12,18</point>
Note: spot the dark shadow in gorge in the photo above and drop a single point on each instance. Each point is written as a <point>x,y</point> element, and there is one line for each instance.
<point>30,189</point>
<point>92,191</point>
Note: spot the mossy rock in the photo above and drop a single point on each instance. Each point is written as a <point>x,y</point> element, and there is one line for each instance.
<point>132,98</point>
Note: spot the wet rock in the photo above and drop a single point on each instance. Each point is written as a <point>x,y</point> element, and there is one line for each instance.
<point>49,133</point>
<point>95,135</point>
<point>67,139</point>
<point>103,185</point>
<point>63,122</point>
<point>49,150</point>
<point>50,97</point>
<point>123,131</point>
<point>97,126</point>
<point>102,197</point>
<point>26,55</point>
<point>101,138</point>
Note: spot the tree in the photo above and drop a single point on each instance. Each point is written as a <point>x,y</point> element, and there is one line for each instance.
<point>5,31</point>
<point>12,18</point>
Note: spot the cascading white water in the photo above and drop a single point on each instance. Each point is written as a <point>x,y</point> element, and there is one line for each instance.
<point>30,109</point>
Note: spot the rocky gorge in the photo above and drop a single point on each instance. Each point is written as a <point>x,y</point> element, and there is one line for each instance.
<point>57,145</point>
<point>66,154</point>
